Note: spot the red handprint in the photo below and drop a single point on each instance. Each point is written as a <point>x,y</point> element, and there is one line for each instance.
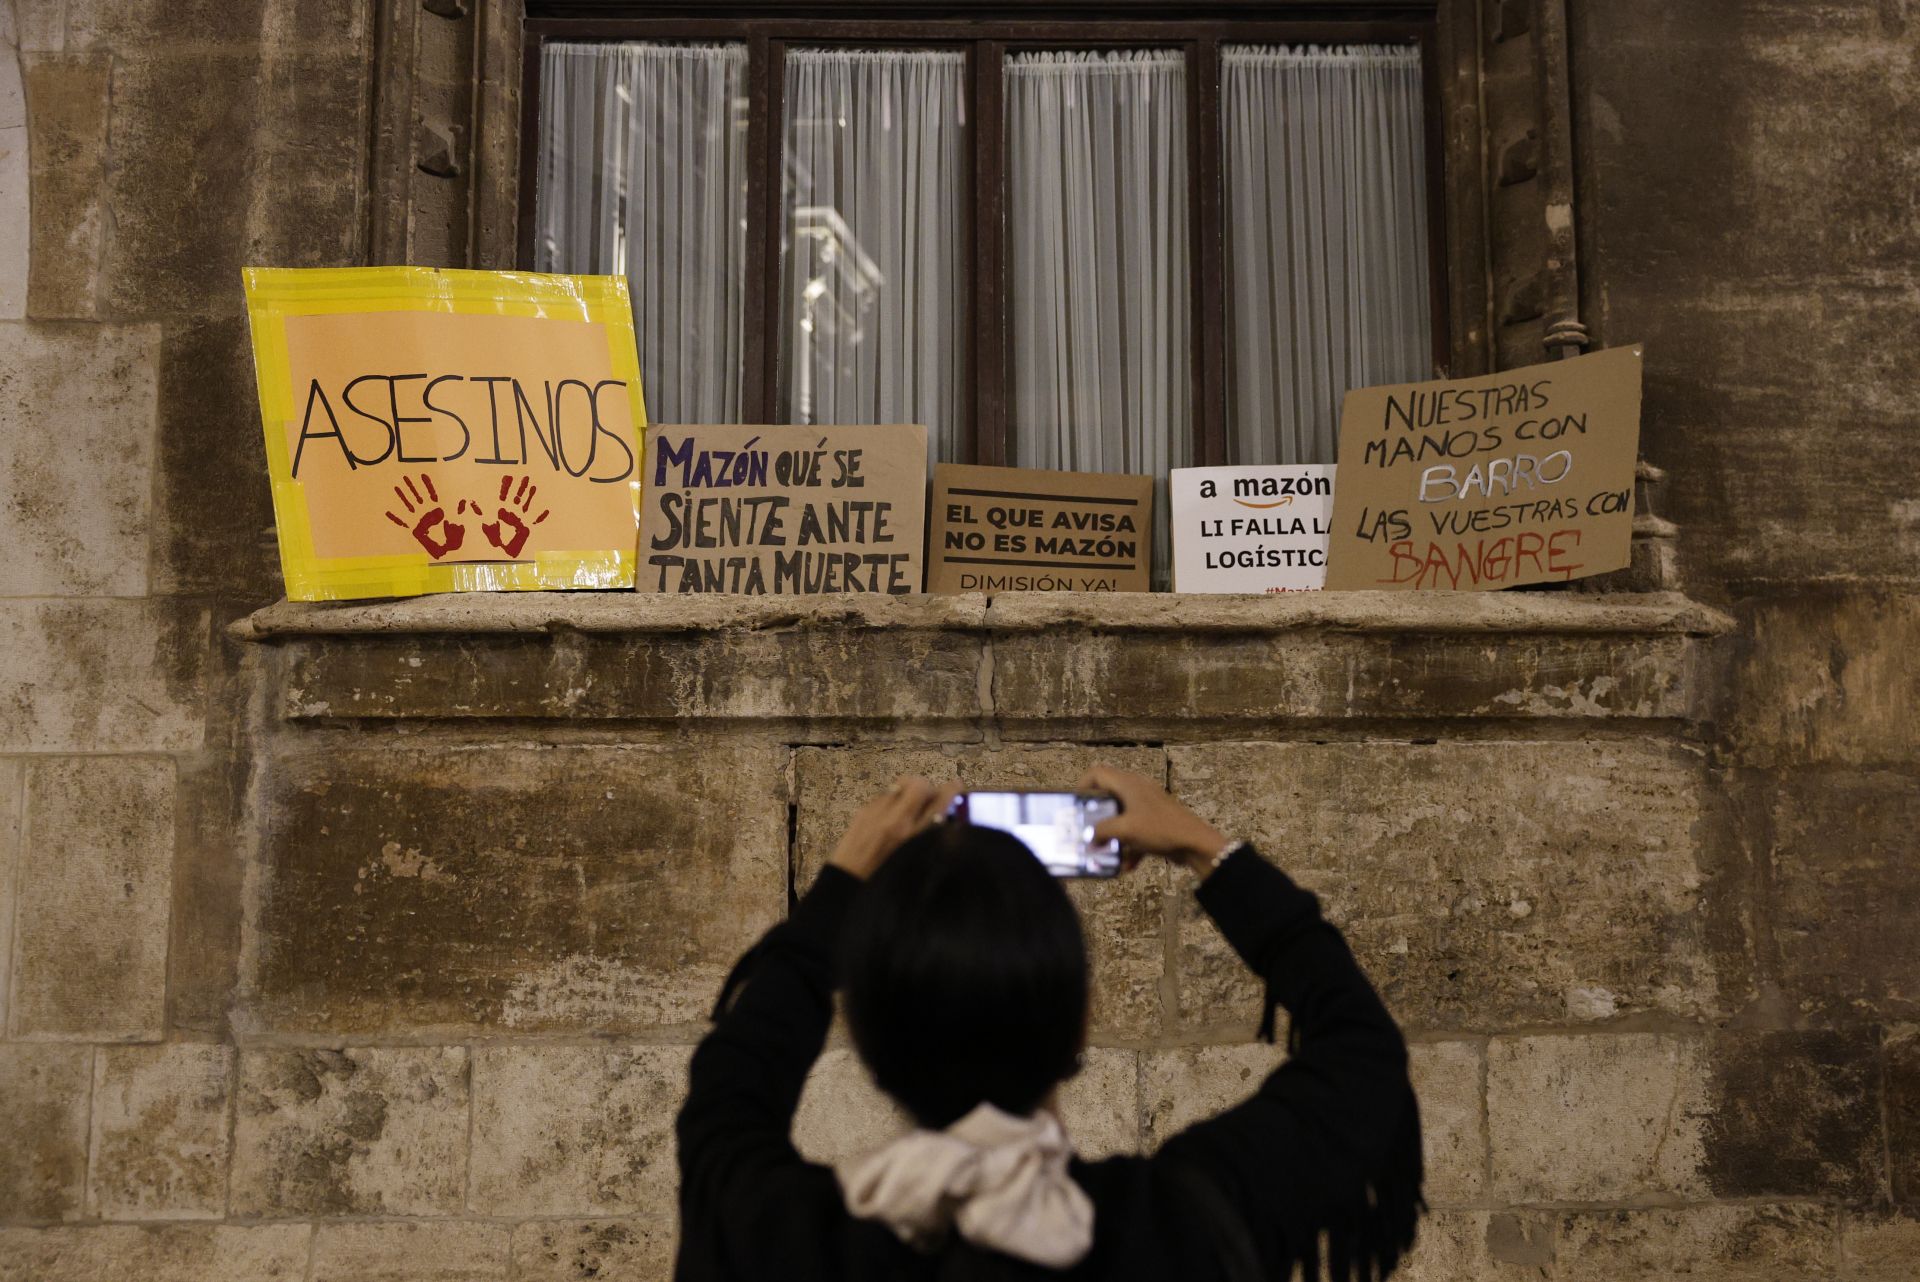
<point>433,514</point>
<point>507,531</point>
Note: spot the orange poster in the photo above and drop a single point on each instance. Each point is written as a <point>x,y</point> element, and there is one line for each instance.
<point>448,431</point>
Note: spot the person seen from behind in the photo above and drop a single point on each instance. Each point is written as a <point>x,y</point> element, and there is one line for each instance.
<point>964,976</point>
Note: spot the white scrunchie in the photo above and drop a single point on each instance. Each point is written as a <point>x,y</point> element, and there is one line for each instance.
<point>1001,1181</point>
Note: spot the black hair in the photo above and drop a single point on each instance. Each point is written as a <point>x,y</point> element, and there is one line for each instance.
<point>965,975</point>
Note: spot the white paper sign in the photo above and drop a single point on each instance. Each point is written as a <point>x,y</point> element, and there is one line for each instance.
<point>1251,529</point>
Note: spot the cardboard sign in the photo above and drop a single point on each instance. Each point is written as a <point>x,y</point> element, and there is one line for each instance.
<point>1011,529</point>
<point>1251,529</point>
<point>775,510</point>
<point>448,431</point>
<point>1481,483</point>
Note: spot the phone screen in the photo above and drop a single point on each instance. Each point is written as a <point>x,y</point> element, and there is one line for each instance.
<point>1056,826</point>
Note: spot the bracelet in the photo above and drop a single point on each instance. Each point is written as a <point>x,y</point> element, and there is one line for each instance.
<point>1214,863</point>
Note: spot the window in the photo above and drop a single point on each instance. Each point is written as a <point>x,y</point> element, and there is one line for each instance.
<point>1106,245</point>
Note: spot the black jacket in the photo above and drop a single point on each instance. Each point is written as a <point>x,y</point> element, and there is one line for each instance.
<point>1321,1168</point>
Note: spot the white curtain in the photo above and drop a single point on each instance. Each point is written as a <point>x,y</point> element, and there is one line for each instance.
<point>874,239</point>
<point>643,174</point>
<point>1098,246</point>
<point>1326,239</point>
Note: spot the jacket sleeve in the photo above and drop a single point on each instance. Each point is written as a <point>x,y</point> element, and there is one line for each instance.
<point>1327,1151</point>
<point>738,1166</point>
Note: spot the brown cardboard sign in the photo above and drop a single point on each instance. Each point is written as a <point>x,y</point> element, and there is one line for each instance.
<point>1015,529</point>
<point>1474,484</point>
<point>777,510</point>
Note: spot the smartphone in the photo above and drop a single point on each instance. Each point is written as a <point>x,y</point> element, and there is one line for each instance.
<point>1056,826</point>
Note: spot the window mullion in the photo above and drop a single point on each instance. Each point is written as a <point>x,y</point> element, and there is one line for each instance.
<point>1207,281</point>
<point>989,301</point>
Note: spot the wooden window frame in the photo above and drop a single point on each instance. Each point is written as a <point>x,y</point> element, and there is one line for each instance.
<point>987,32</point>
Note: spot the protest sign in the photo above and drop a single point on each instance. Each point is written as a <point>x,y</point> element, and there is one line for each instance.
<point>1251,529</point>
<point>1481,483</point>
<point>1011,529</point>
<point>447,431</point>
<point>763,510</point>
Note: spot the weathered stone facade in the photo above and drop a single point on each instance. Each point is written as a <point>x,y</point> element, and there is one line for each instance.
<point>370,942</point>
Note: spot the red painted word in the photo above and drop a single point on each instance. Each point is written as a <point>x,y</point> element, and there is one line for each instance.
<point>1484,562</point>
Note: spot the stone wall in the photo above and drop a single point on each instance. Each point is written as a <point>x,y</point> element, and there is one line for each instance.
<point>325,953</point>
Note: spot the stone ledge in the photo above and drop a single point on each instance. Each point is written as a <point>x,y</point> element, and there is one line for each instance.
<point>1559,613</point>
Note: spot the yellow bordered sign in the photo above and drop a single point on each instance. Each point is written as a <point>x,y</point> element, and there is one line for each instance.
<point>448,431</point>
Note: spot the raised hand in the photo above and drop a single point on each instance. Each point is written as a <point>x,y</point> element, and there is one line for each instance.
<point>1152,821</point>
<point>879,827</point>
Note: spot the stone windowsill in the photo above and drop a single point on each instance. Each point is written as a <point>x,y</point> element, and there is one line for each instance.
<point>1669,614</point>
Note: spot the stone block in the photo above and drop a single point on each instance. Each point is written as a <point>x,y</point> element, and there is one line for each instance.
<point>1879,1248</point>
<point>1757,1243</point>
<point>44,1162</point>
<point>67,97</point>
<point>1827,678</point>
<point>1218,998</point>
<point>443,1251</point>
<point>1121,916</point>
<point>842,1113</point>
<point>1519,1244</point>
<point>1784,114</point>
<point>1192,1083</point>
<point>562,888</point>
<point>1478,1246</point>
<point>1596,1118</point>
<point>1903,1117</point>
<point>1065,683</point>
<point>1479,883</point>
<point>213,531</point>
<point>363,1131</point>
<point>313,99</point>
<point>14,203</point>
<point>174,246</point>
<point>639,1248</point>
<point>1842,852</point>
<point>209,888</point>
<point>12,776</point>
<point>160,1132</point>
<point>39,27</point>
<point>96,880</point>
<point>1772,369</point>
<point>1795,1114</point>
<point>1100,1105</point>
<point>170,250</point>
<point>1449,1247</point>
<point>102,675</point>
<point>806,683</point>
<point>575,1130</point>
<point>13,103</point>
<point>1447,1079</point>
<point>156,1253</point>
<point>76,458</point>
<point>274,24</point>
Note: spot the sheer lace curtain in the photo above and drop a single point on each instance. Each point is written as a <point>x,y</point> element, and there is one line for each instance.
<point>643,174</point>
<point>1327,284</point>
<point>875,240</point>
